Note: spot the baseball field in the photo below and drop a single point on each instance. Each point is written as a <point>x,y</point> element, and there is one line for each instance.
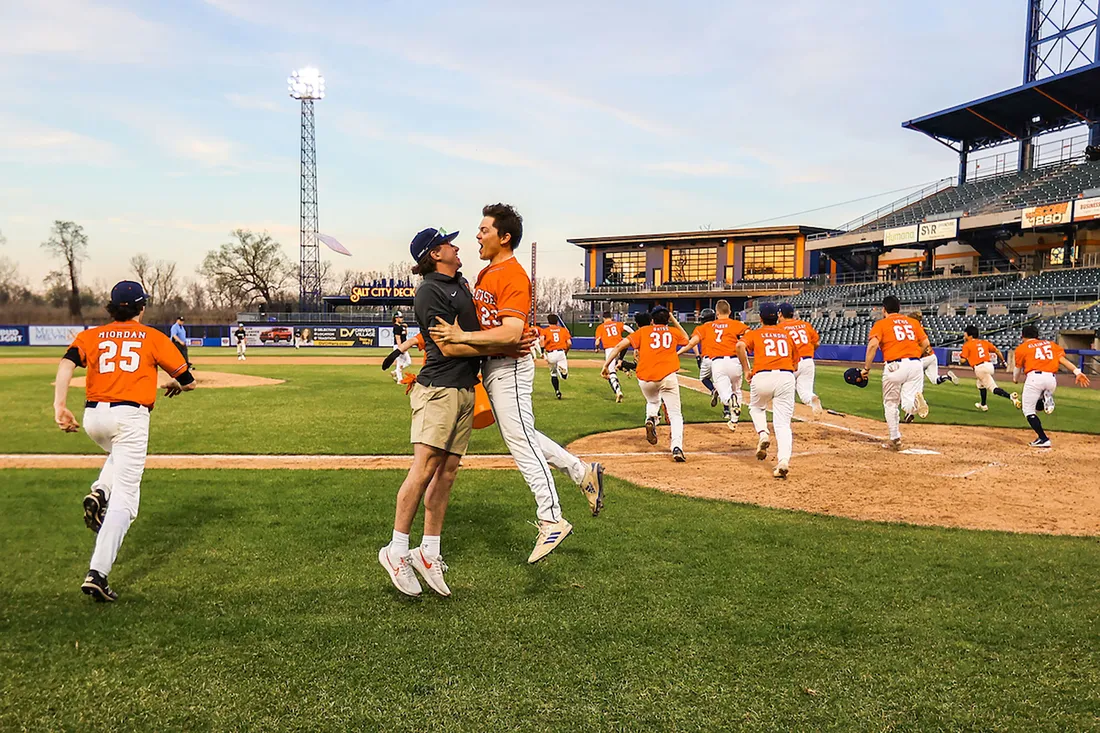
<point>950,588</point>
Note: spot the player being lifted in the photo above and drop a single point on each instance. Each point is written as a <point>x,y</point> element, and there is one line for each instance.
<point>806,341</point>
<point>608,334</point>
<point>555,341</point>
<point>902,341</point>
<point>1039,360</point>
<point>979,354</point>
<point>718,340</point>
<point>503,299</point>
<point>775,357</point>
<point>656,346</point>
<point>121,387</point>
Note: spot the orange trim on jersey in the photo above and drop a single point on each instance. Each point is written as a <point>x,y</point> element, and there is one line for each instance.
<point>898,336</point>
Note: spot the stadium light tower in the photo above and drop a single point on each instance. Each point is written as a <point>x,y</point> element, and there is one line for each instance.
<point>308,86</point>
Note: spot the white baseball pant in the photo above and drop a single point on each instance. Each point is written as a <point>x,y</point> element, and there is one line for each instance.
<point>509,383</point>
<point>667,391</point>
<point>706,368</point>
<point>559,364</point>
<point>983,374</point>
<point>902,381</point>
<point>727,374</point>
<point>123,432</point>
<point>241,346</point>
<point>1037,385</point>
<point>613,372</point>
<point>403,362</point>
<point>779,388</point>
<point>931,366</point>
<point>804,377</point>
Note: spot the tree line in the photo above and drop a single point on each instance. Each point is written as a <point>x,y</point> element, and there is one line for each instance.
<point>249,271</point>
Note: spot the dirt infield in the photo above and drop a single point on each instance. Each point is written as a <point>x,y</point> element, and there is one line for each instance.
<point>212,380</point>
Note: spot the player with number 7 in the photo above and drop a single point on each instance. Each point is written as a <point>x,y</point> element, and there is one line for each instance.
<point>121,387</point>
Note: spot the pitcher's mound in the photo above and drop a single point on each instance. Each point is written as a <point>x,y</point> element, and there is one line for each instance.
<point>212,380</point>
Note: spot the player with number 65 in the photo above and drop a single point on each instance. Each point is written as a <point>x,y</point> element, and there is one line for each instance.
<point>121,387</point>
<point>902,341</point>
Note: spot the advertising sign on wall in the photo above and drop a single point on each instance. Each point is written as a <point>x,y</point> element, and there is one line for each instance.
<point>53,335</point>
<point>1051,215</point>
<point>933,230</point>
<point>900,235</point>
<point>1086,209</point>
<point>13,336</point>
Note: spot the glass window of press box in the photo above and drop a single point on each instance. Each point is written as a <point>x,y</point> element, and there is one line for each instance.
<point>693,265</point>
<point>769,262</point>
<point>624,268</point>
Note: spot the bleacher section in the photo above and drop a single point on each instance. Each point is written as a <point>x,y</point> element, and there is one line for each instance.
<point>1032,187</point>
<point>1074,284</point>
<point>843,293</point>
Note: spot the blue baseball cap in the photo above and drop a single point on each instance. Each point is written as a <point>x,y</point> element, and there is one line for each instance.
<point>428,239</point>
<point>769,310</point>
<point>128,292</point>
<point>787,310</point>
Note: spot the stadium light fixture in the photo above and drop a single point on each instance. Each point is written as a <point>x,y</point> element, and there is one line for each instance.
<point>306,83</point>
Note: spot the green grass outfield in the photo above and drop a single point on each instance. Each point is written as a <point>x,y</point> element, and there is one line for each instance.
<point>252,600</point>
<point>356,409</point>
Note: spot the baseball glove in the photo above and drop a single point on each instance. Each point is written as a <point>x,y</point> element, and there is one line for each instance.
<point>389,360</point>
<point>855,376</point>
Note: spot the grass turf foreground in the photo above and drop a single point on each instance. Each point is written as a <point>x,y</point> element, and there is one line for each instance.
<point>252,600</point>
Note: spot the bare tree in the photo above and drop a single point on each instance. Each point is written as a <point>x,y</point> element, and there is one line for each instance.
<point>158,278</point>
<point>68,242</point>
<point>11,282</point>
<point>195,294</point>
<point>251,267</point>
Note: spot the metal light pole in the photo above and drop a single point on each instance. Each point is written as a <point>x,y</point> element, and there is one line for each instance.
<point>307,85</point>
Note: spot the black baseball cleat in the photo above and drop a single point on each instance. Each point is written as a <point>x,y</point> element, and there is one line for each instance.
<point>651,430</point>
<point>95,585</point>
<point>95,508</point>
<point>564,376</point>
<point>559,395</point>
<point>678,455</point>
<point>909,417</point>
<point>714,398</point>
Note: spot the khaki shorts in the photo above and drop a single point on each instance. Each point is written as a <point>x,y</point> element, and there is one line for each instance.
<point>442,417</point>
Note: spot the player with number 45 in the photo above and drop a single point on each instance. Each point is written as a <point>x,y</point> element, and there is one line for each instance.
<point>121,387</point>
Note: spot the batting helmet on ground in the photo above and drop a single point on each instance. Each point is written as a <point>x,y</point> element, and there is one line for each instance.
<point>855,376</point>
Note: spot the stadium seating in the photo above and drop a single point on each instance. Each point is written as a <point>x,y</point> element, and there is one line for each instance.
<point>1067,284</point>
<point>1033,187</point>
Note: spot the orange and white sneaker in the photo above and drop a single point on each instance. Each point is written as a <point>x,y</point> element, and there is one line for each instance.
<point>401,573</point>
<point>762,446</point>
<point>431,569</point>
<point>551,534</point>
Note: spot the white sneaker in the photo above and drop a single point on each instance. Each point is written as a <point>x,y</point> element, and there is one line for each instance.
<point>1015,397</point>
<point>952,377</point>
<point>431,569</point>
<point>762,446</point>
<point>592,486</point>
<point>815,405</point>
<point>551,534</point>
<point>895,444</point>
<point>1048,403</point>
<point>618,397</point>
<point>980,406</point>
<point>922,406</point>
<point>401,574</point>
<point>781,470</point>
<point>1037,443</point>
<point>732,422</point>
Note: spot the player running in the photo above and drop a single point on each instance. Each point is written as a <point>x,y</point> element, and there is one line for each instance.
<point>775,357</point>
<point>609,333</point>
<point>718,341</point>
<point>902,341</point>
<point>806,340</point>
<point>121,387</point>
<point>403,360</point>
<point>658,361</point>
<point>979,354</point>
<point>503,298</point>
<point>930,363</point>
<point>555,341</point>
<point>1039,360</point>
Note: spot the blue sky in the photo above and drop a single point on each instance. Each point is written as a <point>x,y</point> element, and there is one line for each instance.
<point>161,126</point>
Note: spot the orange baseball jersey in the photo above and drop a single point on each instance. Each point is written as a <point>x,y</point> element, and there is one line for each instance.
<point>555,338</point>
<point>719,337</point>
<point>977,351</point>
<point>423,348</point>
<point>899,337</point>
<point>122,361</point>
<point>609,334</point>
<point>804,336</point>
<point>502,290</point>
<point>772,348</point>
<point>656,347</point>
<point>1039,355</point>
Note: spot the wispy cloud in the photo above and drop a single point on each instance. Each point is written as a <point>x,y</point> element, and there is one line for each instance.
<point>245,101</point>
<point>89,31</point>
<point>711,169</point>
<point>29,142</point>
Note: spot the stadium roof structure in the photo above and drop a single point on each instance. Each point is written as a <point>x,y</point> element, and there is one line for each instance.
<point>703,235</point>
<point>1046,105</point>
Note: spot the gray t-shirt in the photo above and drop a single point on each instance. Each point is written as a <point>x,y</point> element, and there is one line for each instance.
<point>448,298</point>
